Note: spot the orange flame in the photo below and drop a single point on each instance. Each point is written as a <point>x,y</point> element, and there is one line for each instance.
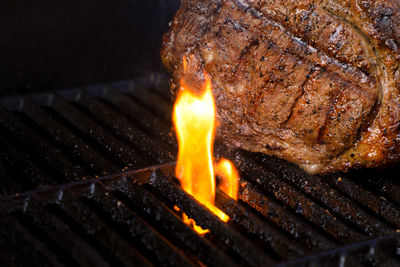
<point>194,120</point>
<point>230,178</point>
<point>192,223</point>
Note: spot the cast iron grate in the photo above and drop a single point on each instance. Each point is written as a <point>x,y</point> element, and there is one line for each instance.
<point>56,210</point>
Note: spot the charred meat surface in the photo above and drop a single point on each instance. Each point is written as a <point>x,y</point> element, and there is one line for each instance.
<point>314,82</point>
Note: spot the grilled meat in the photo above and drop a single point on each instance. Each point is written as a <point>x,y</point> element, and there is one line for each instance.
<point>314,82</point>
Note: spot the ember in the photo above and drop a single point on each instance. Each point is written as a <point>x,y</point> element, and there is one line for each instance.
<point>194,120</point>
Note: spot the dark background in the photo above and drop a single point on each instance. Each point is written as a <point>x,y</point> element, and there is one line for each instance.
<point>47,45</point>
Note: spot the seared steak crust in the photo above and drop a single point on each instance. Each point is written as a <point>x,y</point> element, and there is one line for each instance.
<point>315,82</point>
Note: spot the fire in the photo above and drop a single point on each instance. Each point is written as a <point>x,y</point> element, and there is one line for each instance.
<point>194,121</point>
<point>230,178</point>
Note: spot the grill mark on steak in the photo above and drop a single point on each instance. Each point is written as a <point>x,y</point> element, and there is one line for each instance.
<point>279,105</point>
<point>298,98</point>
<point>298,55</point>
<point>307,41</point>
<point>307,33</point>
<point>365,124</point>
<point>307,47</point>
<point>379,74</point>
<point>333,100</point>
<point>386,20</point>
<point>376,67</point>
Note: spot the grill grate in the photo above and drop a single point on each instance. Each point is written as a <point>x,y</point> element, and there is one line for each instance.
<point>54,146</point>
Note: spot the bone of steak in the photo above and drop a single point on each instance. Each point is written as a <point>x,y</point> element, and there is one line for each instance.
<point>313,82</point>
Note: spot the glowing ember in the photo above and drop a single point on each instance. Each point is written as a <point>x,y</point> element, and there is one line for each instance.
<point>194,120</point>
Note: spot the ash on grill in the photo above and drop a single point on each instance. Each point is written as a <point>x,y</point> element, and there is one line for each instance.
<point>283,216</point>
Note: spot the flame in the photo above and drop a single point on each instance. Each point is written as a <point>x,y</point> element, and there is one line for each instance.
<point>230,178</point>
<point>194,121</point>
<point>192,223</point>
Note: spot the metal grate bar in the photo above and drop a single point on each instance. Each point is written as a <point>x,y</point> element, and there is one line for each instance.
<point>31,250</point>
<point>379,205</point>
<point>90,156</point>
<point>157,83</point>
<point>33,209</point>
<point>130,217</point>
<point>158,105</point>
<point>258,230</point>
<point>157,128</point>
<point>84,205</point>
<point>372,252</point>
<point>126,155</point>
<point>111,246</point>
<point>71,243</point>
<point>299,203</point>
<point>34,143</point>
<point>125,129</point>
<point>26,173</point>
<point>338,204</point>
<point>10,181</point>
<point>284,219</point>
<point>248,251</point>
<point>165,221</point>
<point>379,181</point>
<point>158,248</point>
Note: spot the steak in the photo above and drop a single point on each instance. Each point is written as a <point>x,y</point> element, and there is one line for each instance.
<point>314,82</point>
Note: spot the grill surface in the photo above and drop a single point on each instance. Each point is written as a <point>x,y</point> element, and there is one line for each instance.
<point>55,210</point>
